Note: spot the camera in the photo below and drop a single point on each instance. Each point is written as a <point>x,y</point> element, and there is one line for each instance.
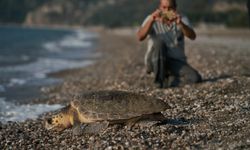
<point>168,15</point>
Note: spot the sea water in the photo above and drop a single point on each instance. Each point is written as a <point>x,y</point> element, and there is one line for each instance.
<point>27,56</point>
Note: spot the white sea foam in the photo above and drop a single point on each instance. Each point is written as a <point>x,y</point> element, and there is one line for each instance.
<point>15,81</point>
<point>52,47</point>
<point>42,67</point>
<point>2,89</point>
<point>25,57</point>
<point>76,40</point>
<point>12,112</point>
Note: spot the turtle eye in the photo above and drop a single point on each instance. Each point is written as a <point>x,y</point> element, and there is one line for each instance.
<point>49,121</point>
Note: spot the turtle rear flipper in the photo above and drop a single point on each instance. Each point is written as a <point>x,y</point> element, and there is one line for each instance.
<point>155,117</point>
<point>92,128</point>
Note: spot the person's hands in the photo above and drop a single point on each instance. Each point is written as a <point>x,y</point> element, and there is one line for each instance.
<point>177,17</point>
<point>156,15</point>
<point>172,16</point>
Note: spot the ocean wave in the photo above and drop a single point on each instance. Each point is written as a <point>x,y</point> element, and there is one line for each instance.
<point>76,40</point>
<point>2,89</point>
<point>15,81</point>
<point>20,113</point>
<point>52,47</point>
<point>44,66</point>
<point>36,72</point>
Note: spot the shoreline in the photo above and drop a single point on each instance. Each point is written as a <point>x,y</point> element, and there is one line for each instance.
<point>32,93</point>
<point>216,110</point>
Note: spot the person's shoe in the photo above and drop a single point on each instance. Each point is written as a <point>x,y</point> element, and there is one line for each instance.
<point>165,85</point>
<point>159,85</point>
<point>148,71</point>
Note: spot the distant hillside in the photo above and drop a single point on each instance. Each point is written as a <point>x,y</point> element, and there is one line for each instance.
<point>232,13</point>
<point>15,11</point>
<point>110,13</point>
<point>114,13</point>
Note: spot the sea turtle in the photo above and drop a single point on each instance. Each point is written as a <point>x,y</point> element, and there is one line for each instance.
<point>94,111</point>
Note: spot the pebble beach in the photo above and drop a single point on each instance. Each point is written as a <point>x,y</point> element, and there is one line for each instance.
<point>210,115</point>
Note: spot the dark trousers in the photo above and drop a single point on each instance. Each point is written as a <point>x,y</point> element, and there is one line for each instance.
<point>248,7</point>
<point>170,72</point>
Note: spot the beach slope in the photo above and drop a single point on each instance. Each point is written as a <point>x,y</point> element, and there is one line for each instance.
<point>210,115</point>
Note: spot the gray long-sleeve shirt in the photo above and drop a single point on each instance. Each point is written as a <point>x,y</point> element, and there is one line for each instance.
<point>171,35</point>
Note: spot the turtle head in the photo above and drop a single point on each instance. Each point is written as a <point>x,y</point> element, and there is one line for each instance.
<point>60,120</point>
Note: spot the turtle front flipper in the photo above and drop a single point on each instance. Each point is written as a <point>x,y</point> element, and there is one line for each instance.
<point>92,128</point>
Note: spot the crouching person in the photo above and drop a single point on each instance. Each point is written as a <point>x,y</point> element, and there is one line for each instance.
<point>165,56</point>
